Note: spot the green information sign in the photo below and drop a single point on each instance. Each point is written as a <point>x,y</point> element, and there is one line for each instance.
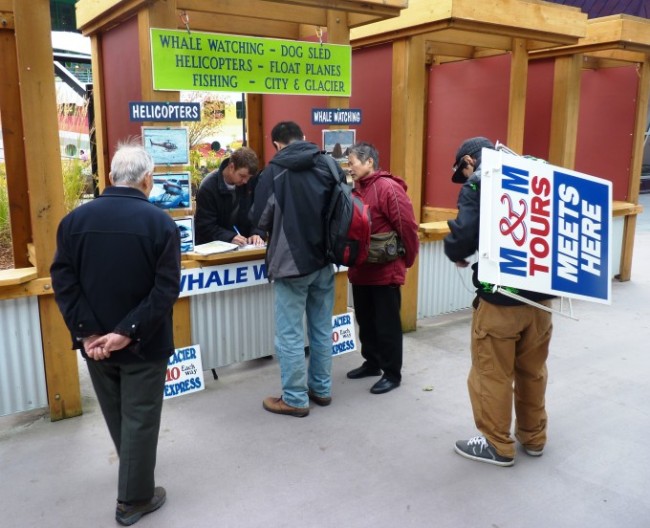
<point>231,63</point>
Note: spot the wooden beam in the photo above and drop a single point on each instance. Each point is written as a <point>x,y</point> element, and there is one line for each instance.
<point>6,20</point>
<point>512,18</point>
<point>40,127</point>
<point>257,10</point>
<point>43,162</point>
<point>408,139</point>
<point>160,14</point>
<point>95,15</point>
<point>28,289</point>
<point>385,8</point>
<point>564,117</point>
<point>338,32</point>
<point>11,277</point>
<point>101,141</point>
<point>14,150</point>
<point>617,32</point>
<point>255,124</point>
<point>638,141</point>
<point>239,25</point>
<point>517,96</point>
<point>182,323</point>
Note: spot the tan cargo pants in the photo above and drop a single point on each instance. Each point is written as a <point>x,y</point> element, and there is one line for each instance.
<point>509,351</point>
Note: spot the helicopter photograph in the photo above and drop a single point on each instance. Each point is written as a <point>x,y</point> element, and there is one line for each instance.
<point>186,230</point>
<point>167,145</point>
<point>171,190</point>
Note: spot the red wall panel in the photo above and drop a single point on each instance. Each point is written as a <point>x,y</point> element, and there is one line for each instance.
<point>466,99</point>
<point>121,65</point>
<point>606,122</point>
<point>539,106</point>
<point>372,74</point>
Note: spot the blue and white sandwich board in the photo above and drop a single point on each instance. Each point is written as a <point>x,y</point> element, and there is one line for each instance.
<point>544,228</point>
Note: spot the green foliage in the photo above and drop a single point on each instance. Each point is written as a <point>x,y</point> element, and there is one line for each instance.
<point>75,182</point>
<point>212,115</point>
<point>5,227</point>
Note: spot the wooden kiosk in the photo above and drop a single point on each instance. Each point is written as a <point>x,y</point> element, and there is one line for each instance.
<point>41,369</point>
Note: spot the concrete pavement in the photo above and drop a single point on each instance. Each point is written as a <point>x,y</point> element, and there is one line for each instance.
<point>371,461</point>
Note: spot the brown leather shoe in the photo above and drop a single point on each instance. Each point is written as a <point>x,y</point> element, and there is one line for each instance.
<point>278,406</point>
<point>127,514</point>
<point>323,401</point>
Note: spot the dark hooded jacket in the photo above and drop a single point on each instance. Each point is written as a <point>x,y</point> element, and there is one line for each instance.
<point>390,210</point>
<point>463,240</point>
<point>291,201</point>
<point>219,209</point>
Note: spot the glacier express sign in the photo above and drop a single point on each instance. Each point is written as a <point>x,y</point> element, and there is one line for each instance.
<point>544,228</point>
<point>232,63</point>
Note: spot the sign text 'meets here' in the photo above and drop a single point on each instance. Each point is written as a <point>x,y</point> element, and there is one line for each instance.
<point>552,228</point>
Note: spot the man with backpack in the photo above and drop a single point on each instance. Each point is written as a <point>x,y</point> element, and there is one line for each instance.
<point>291,201</point>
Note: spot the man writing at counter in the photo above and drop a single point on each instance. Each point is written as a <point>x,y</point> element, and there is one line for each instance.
<point>224,199</point>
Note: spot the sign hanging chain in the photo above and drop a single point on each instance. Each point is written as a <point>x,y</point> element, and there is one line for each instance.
<point>185,19</point>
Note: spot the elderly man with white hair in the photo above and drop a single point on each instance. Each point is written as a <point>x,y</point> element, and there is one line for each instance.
<point>116,277</point>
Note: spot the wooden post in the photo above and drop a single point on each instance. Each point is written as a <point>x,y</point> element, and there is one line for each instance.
<point>409,97</point>
<point>45,183</point>
<point>255,124</point>
<point>566,105</point>
<point>643,96</point>
<point>338,32</point>
<point>103,163</point>
<point>517,96</point>
<point>18,193</point>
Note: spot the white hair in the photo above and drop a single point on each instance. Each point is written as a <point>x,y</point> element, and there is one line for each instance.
<point>130,163</point>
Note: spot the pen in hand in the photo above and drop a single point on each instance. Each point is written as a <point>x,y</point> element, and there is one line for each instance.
<point>239,239</point>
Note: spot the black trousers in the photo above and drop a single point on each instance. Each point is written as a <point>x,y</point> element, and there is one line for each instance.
<point>377,309</point>
<point>131,396</point>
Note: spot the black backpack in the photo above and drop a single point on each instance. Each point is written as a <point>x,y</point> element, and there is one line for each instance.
<point>347,223</point>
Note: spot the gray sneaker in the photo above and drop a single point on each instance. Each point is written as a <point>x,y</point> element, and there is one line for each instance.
<point>534,452</point>
<point>479,449</point>
<point>127,514</point>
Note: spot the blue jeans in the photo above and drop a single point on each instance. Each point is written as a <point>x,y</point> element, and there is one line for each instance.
<point>313,295</point>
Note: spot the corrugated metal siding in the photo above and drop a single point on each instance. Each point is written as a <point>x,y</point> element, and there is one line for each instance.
<point>22,373</point>
<point>233,325</point>
<point>442,288</point>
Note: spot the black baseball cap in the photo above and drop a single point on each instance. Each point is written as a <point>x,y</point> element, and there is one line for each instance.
<point>470,147</point>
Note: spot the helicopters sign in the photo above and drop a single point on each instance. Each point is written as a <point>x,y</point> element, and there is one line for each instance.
<point>233,63</point>
<point>544,228</point>
<point>165,112</point>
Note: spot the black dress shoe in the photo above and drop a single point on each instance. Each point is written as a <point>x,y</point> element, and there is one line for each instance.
<point>384,385</point>
<point>363,372</point>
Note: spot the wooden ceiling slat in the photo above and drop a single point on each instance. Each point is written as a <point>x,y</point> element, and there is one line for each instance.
<point>257,10</point>
<point>386,8</point>
<point>540,21</point>
<point>240,25</point>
